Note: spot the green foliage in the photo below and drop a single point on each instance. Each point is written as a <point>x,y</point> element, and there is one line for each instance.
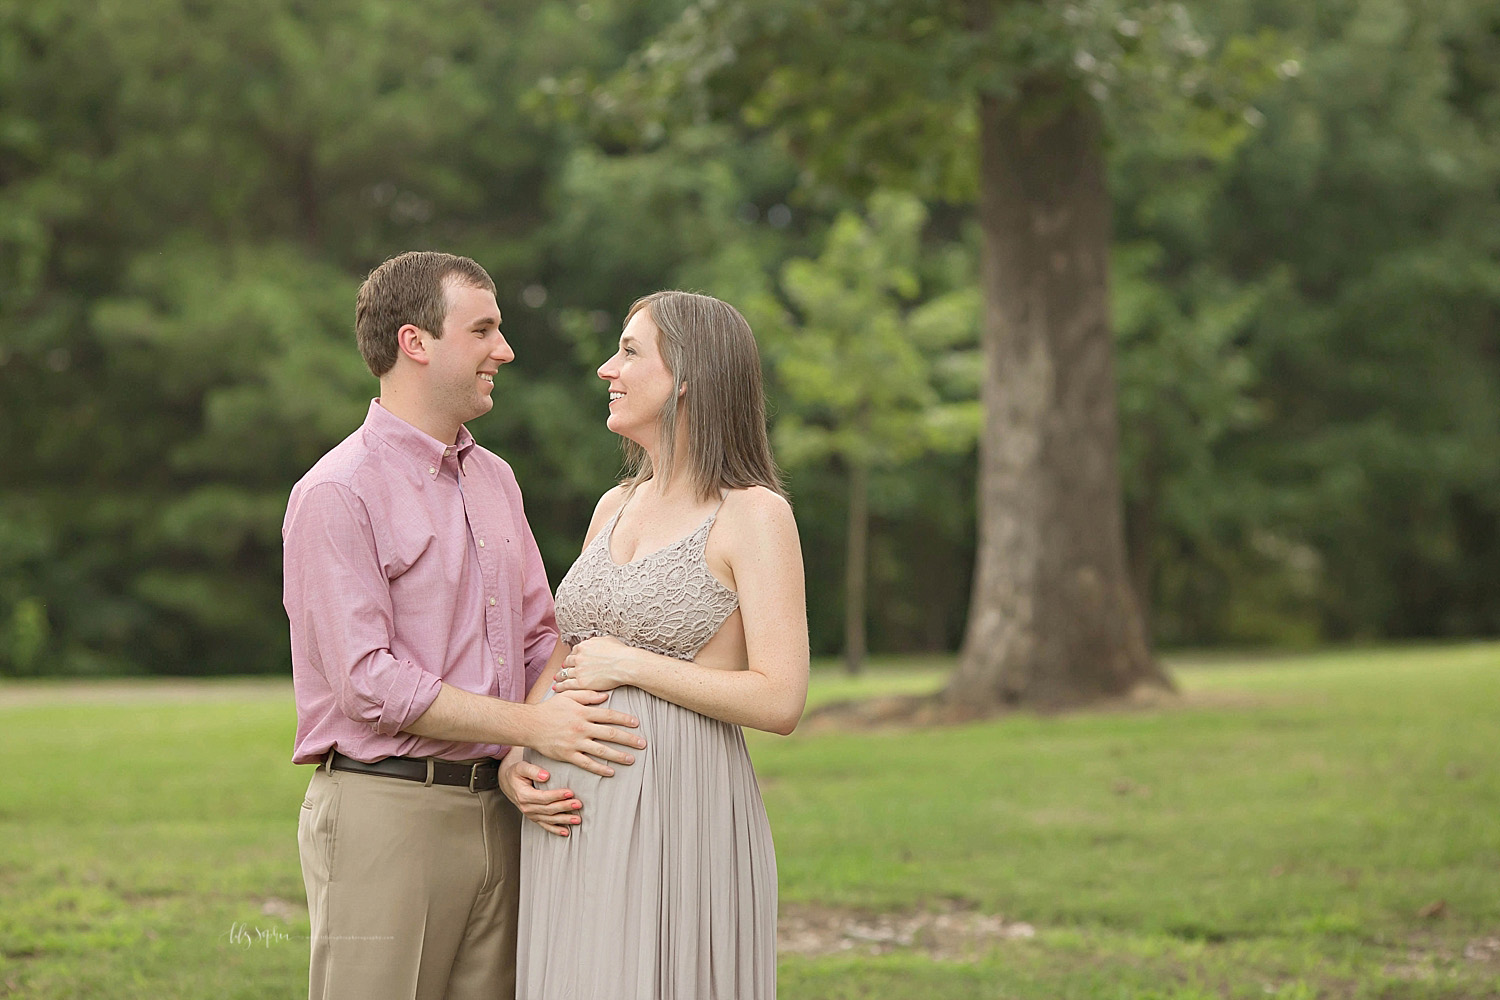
<point>1358,225</point>
<point>864,372</point>
<point>1306,293</point>
<point>184,236</point>
<point>876,371</point>
<point>870,95</point>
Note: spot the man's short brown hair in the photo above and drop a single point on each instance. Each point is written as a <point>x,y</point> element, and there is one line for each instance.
<point>408,288</point>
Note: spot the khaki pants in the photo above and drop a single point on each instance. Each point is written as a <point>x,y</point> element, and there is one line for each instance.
<point>412,890</point>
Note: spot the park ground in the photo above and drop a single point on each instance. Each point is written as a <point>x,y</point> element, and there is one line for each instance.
<point>1322,825</point>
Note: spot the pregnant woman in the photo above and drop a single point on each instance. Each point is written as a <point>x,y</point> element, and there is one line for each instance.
<point>688,606</point>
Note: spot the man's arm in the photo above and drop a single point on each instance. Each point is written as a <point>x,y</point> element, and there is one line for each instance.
<point>567,728</point>
<point>338,599</point>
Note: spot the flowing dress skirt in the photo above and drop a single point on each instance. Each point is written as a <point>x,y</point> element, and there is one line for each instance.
<point>667,890</point>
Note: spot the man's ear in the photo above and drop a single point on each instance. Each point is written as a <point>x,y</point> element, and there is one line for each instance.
<point>412,342</point>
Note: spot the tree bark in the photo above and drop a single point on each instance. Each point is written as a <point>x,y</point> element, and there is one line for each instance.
<point>1053,620</point>
<point>856,567</point>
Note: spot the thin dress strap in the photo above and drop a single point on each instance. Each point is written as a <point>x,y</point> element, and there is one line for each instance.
<point>698,540</point>
<point>607,530</point>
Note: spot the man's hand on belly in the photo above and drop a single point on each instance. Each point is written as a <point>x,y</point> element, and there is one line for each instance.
<point>574,728</point>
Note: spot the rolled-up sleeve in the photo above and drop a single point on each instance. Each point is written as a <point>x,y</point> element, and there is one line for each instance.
<point>338,601</point>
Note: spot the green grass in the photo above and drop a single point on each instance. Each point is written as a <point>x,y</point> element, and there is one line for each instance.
<point>1275,834</point>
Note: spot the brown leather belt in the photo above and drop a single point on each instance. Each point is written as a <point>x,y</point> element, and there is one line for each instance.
<point>483,776</point>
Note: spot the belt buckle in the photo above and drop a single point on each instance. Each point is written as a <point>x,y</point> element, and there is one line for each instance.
<point>473,777</point>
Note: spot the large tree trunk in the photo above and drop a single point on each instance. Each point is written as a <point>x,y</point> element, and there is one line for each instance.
<point>1053,620</point>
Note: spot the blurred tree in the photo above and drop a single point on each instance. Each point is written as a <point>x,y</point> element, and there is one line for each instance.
<point>1304,305</point>
<point>1339,278</point>
<point>1006,101</point>
<point>1186,384</point>
<point>189,194</point>
<point>865,369</point>
<point>1380,178</point>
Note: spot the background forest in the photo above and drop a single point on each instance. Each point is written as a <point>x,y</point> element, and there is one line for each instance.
<point>1305,297</point>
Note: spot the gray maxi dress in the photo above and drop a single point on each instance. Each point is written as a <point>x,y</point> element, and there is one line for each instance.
<point>667,891</point>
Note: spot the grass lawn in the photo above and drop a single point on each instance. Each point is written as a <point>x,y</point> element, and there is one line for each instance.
<point>1297,827</point>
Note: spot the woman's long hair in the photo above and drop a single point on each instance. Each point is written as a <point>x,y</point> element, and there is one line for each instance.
<point>707,344</point>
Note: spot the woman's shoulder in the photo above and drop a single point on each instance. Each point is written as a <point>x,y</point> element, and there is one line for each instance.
<point>756,541</point>
<point>608,506</point>
<point>757,499</point>
<point>754,510</point>
<point>612,500</point>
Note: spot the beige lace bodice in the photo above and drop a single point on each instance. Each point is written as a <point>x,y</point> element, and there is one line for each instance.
<point>667,601</point>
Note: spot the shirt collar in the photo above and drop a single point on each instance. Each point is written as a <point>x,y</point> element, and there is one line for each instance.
<point>415,444</point>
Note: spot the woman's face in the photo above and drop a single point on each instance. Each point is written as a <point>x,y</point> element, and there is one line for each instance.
<point>639,382</point>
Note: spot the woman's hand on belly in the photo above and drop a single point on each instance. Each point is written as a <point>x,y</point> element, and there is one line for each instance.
<point>600,664</point>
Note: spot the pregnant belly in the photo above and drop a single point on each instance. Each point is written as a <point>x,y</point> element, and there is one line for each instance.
<point>686,754</point>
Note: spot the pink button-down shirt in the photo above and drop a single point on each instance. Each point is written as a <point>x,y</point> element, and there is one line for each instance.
<point>408,562</point>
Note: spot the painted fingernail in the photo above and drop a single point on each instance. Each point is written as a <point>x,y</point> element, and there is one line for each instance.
<point>544,776</point>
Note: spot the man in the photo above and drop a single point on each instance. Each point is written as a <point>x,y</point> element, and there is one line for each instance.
<point>420,617</point>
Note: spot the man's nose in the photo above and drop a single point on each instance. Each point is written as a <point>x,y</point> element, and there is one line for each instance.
<point>502,352</point>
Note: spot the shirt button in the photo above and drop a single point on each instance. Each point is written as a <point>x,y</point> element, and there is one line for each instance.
<point>492,602</point>
<point>431,470</point>
<point>481,543</point>
<point>499,661</point>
